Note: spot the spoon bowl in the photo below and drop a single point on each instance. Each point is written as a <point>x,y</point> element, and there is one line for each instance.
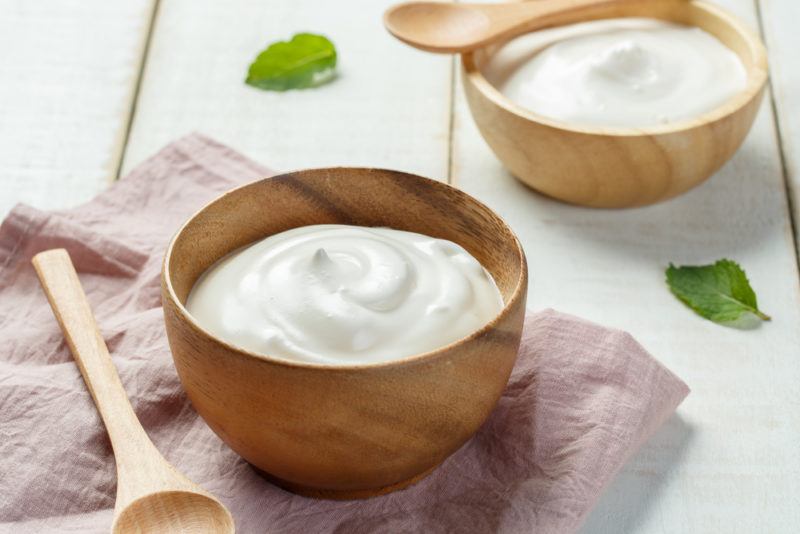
<point>437,27</point>
<point>167,512</point>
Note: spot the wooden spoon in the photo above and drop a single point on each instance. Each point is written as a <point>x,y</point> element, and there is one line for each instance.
<point>453,28</point>
<point>152,496</point>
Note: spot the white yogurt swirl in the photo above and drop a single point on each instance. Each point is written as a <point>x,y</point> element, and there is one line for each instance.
<point>618,72</point>
<point>340,294</point>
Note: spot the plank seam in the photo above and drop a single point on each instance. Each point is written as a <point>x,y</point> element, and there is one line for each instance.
<point>452,120</point>
<point>781,147</point>
<point>136,89</point>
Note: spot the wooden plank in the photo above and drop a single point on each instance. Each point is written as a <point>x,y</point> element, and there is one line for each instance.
<point>69,72</point>
<point>727,462</point>
<point>778,19</point>
<point>389,107</point>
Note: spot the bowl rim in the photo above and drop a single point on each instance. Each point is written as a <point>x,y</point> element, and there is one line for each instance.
<point>756,80</point>
<point>424,357</point>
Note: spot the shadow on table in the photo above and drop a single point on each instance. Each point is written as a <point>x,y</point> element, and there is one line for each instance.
<point>736,210</point>
<point>626,504</point>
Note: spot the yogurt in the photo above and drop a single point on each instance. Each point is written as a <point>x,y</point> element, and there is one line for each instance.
<point>633,73</point>
<point>337,294</point>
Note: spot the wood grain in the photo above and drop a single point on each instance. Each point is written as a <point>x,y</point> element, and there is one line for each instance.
<point>151,495</point>
<point>388,107</point>
<point>727,461</point>
<point>621,167</point>
<point>344,431</point>
<point>69,72</point>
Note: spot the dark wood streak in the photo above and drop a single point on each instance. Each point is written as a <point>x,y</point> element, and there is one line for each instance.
<point>318,198</point>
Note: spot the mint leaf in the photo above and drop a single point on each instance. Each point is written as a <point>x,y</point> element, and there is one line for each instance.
<point>719,292</point>
<point>308,60</point>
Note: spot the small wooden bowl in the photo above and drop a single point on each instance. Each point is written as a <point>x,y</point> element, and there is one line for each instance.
<point>344,431</point>
<point>622,167</point>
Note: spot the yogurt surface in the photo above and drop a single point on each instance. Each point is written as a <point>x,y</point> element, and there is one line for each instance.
<point>338,294</point>
<point>633,72</point>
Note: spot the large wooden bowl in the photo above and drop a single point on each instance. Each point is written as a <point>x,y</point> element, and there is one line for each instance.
<point>621,167</point>
<point>344,431</point>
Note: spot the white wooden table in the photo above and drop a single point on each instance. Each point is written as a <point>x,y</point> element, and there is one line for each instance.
<point>90,88</point>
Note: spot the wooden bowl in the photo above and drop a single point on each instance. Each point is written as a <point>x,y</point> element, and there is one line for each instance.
<point>621,167</point>
<point>357,430</point>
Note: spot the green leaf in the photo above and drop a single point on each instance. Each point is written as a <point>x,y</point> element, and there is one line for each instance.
<point>307,60</point>
<point>719,292</point>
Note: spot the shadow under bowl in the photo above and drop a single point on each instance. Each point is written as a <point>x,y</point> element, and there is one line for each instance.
<point>345,431</point>
<point>621,167</point>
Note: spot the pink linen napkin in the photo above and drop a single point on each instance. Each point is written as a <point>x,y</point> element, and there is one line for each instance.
<point>582,398</point>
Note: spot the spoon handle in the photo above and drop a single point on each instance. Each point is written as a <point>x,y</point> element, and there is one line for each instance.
<point>511,20</point>
<point>140,466</point>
